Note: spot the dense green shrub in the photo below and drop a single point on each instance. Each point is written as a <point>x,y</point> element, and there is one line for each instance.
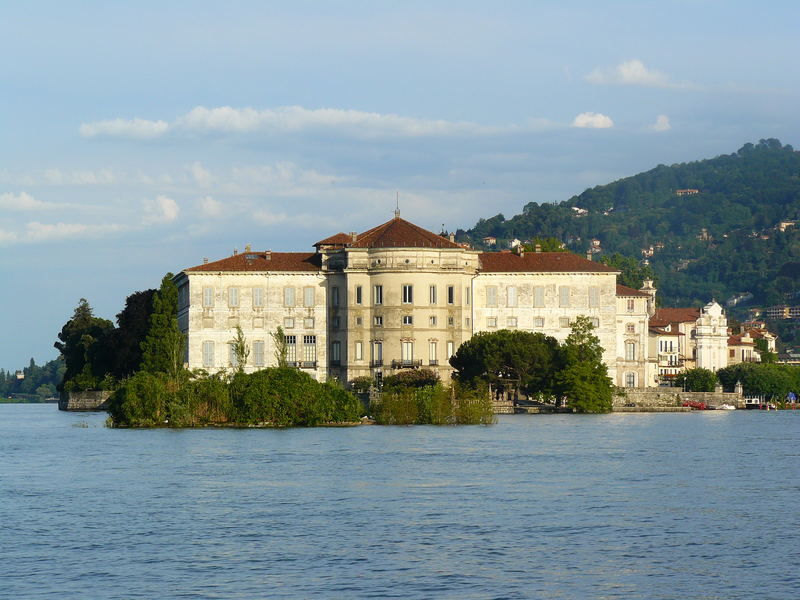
<point>279,397</point>
<point>433,405</point>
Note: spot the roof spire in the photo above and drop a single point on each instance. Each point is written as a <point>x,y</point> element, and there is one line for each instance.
<point>397,205</point>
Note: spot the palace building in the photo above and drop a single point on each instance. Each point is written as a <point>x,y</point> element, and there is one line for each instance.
<point>400,297</point>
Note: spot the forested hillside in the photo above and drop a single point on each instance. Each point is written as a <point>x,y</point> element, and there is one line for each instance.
<point>720,240</point>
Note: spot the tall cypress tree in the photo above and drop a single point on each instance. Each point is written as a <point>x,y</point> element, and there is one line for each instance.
<point>162,349</point>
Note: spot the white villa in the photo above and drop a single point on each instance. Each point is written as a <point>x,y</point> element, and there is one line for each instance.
<point>398,296</point>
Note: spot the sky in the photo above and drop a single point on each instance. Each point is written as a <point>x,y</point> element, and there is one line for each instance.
<point>139,138</point>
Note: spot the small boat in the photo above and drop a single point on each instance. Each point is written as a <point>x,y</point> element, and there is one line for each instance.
<point>726,407</point>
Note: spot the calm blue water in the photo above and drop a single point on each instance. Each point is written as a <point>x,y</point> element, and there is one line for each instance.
<point>701,505</point>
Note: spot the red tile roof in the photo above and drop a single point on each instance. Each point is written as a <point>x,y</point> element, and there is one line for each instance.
<point>736,340</point>
<point>627,292</point>
<point>338,239</point>
<point>258,261</point>
<point>548,262</point>
<point>665,316</point>
<point>399,233</point>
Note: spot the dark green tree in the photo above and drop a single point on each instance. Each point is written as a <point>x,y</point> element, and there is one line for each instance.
<point>507,360</point>
<point>697,380</point>
<point>546,244</point>
<point>632,273</point>
<point>133,324</point>
<point>584,379</point>
<point>84,346</point>
<point>163,348</point>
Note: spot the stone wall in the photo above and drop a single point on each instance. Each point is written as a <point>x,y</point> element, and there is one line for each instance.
<point>671,396</point>
<point>83,400</point>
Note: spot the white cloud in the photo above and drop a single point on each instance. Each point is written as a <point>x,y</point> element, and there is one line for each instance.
<point>127,128</point>
<point>592,121</point>
<point>210,207</point>
<point>22,202</point>
<point>44,232</point>
<point>662,123</point>
<point>201,175</point>
<point>59,177</point>
<point>634,72</point>
<point>7,237</point>
<point>160,210</point>
<point>297,119</point>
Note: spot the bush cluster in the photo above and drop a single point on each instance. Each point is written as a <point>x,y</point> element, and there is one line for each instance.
<point>277,397</point>
<point>433,405</point>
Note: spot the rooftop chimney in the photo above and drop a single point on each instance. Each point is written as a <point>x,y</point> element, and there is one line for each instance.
<point>452,237</point>
<point>247,248</point>
<point>205,260</point>
<point>268,254</point>
<point>520,250</point>
<point>235,251</point>
<point>538,247</point>
<point>589,254</point>
<point>354,236</point>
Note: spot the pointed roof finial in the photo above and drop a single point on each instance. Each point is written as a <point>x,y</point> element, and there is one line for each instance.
<point>397,205</point>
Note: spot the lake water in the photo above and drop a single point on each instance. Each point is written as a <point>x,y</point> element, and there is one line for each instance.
<point>699,505</point>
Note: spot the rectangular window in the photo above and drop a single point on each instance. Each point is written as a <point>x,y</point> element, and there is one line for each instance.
<point>232,358</point>
<point>630,351</point>
<point>336,352</point>
<point>233,297</point>
<point>208,297</point>
<point>258,297</point>
<point>538,322</point>
<point>378,321</point>
<point>288,323</point>
<point>308,297</point>
<point>491,321</point>
<point>432,353</point>
<point>208,354</point>
<point>563,322</point>
<point>309,349</point>
<point>467,296</point>
<point>450,349</point>
<point>359,350</point>
<point>308,323</point>
<point>334,296</point>
<point>451,294</point>
<point>408,320</point>
<point>631,305</point>
<point>563,296</point>
<point>408,294</point>
<point>491,295</point>
<point>378,294</point>
<point>631,328</point>
<point>451,321</point>
<point>432,294</point>
<point>432,320</point>
<point>511,296</point>
<point>466,321</point>
<point>359,295</point>
<point>377,352</point>
<point>335,322</point>
<point>258,353</point>
<point>408,352</point>
<point>291,348</point>
<point>594,296</point>
<point>359,321</point>
<point>595,322</point>
<point>538,296</point>
<point>511,322</point>
<point>288,296</point>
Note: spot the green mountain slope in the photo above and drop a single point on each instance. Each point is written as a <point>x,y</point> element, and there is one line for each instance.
<point>723,240</point>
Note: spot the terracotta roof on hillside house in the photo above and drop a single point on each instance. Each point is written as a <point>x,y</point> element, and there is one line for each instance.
<point>264,261</point>
<point>627,292</point>
<point>736,340</point>
<point>547,262</point>
<point>399,233</point>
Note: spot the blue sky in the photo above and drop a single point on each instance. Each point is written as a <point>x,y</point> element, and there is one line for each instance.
<point>139,138</point>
